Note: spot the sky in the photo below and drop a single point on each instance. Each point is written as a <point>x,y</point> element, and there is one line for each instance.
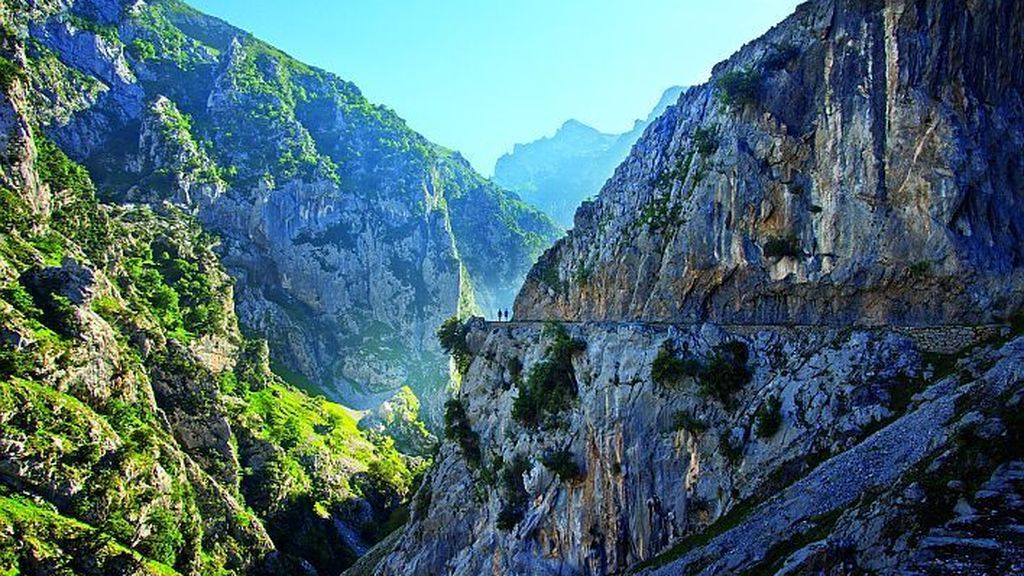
<point>479,76</point>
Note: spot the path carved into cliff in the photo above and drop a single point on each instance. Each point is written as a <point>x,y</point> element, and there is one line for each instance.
<point>935,339</point>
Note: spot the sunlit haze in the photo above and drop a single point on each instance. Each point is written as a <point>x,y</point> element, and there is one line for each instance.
<point>481,76</point>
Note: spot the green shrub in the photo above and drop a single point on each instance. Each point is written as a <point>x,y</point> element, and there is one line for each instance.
<point>563,464</point>
<point>551,385</point>
<point>202,311</point>
<point>161,300</point>
<point>660,213</point>
<point>165,538</point>
<point>452,337</point>
<point>768,419</point>
<point>514,493</point>
<point>60,315</point>
<point>668,369</point>
<point>78,214</point>
<point>456,427</point>
<point>705,140</point>
<point>515,368</point>
<point>14,212</point>
<point>9,72</point>
<point>782,247</point>
<point>15,362</point>
<point>17,296</point>
<point>920,269</point>
<point>683,420</point>
<point>739,88</point>
<point>142,49</point>
<point>726,371</point>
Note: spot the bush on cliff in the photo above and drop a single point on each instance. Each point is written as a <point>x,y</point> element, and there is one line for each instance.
<point>452,337</point>
<point>551,384</point>
<point>456,427</point>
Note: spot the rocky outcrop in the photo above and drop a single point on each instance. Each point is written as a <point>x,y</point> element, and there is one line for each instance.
<point>857,164</point>
<point>350,236</point>
<point>558,173</point>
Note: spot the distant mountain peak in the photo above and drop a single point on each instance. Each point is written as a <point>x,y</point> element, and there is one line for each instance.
<point>556,173</point>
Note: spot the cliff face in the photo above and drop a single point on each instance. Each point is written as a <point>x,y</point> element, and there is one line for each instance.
<point>350,236</point>
<point>557,174</point>
<point>859,163</point>
<point>661,469</point>
<point>140,432</point>
<point>765,367</point>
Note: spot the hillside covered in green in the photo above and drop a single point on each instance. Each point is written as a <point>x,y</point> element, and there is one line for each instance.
<point>350,236</point>
<point>140,431</point>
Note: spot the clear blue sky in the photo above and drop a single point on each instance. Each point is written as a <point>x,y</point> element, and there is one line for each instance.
<point>481,75</point>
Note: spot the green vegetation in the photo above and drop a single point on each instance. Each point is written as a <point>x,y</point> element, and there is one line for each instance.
<point>77,214</point>
<point>814,530</point>
<point>920,269</point>
<point>564,465</point>
<point>684,420</point>
<point>782,247</point>
<point>452,337</point>
<point>106,31</point>
<point>514,493</point>
<point>705,140</point>
<point>738,88</point>
<point>726,371</point>
<point>718,376</point>
<point>549,275</point>
<point>768,419</point>
<point>660,213</point>
<point>456,427</point>
<point>727,522</point>
<point>668,369</point>
<point>9,72</point>
<point>551,384</point>
<point>142,49</point>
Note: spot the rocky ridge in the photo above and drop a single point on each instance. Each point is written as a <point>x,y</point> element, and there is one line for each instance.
<point>350,236</point>
<point>857,164</point>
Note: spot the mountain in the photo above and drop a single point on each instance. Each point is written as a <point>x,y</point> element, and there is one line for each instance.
<point>349,237</point>
<point>786,338</point>
<point>558,173</point>
<point>140,431</point>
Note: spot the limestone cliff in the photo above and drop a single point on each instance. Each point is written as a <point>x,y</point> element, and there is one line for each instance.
<point>787,341</point>
<point>857,164</point>
<point>350,236</point>
<point>645,468</point>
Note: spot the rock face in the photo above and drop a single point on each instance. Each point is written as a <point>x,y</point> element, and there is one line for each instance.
<point>659,461</point>
<point>857,164</point>
<point>350,236</point>
<point>763,366</point>
<point>558,173</point>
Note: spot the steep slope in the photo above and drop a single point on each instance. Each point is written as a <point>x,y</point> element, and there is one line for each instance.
<point>794,341</point>
<point>350,236</point>
<point>859,163</point>
<point>140,432</point>
<point>558,173</point>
